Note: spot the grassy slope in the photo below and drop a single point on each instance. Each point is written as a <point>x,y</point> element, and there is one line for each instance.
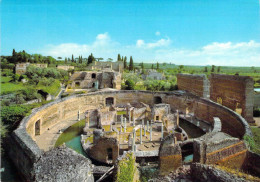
<point>8,87</point>
<point>53,89</point>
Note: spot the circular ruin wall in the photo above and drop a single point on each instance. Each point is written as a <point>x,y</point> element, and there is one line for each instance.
<point>62,109</point>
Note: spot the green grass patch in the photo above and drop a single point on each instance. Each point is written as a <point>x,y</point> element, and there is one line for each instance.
<point>254,142</point>
<point>121,112</point>
<point>70,133</point>
<point>9,87</point>
<point>52,89</point>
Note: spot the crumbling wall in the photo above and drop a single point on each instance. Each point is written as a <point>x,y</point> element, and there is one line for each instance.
<point>219,148</point>
<point>196,84</point>
<point>62,164</point>
<point>170,157</point>
<point>235,92</point>
<point>99,150</point>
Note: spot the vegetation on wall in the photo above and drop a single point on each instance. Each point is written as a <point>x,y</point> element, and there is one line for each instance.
<point>126,169</point>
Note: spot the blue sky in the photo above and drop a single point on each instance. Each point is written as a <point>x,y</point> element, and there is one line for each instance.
<point>189,32</point>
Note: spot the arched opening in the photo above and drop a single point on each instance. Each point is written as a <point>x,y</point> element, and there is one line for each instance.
<point>109,154</point>
<point>93,75</point>
<point>187,152</point>
<point>109,101</point>
<point>93,85</point>
<point>219,100</point>
<point>37,127</point>
<point>157,100</point>
<point>238,108</point>
<point>77,84</point>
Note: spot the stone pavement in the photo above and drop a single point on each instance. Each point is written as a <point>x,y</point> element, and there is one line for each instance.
<point>47,140</point>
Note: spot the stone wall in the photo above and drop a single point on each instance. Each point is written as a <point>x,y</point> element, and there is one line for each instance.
<point>99,150</point>
<point>65,108</point>
<point>234,92</point>
<point>170,157</point>
<point>95,80</point>
<point>196,84</point>
<point>220,148</point>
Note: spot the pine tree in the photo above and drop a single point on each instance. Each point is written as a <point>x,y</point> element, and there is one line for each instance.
<point>125,63</point>
<point>72,58</point>
<point>131,64</point>
<point>118,57</point>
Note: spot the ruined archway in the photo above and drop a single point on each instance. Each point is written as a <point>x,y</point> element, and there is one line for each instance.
<point>110,101</point>
<point>187,152</point>
<point>157,100</point>
<point>37,128</point>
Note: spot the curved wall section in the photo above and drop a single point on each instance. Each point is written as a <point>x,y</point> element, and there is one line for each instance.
<point>58,111</point>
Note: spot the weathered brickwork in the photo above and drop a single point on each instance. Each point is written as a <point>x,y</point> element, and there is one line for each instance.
<point>196,84</point>
<point>234,92</point>
<point>95,80</point>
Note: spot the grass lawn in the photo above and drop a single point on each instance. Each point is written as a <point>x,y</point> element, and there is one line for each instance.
<point>53,89</point>
<point>70,133</point>
<point>256,134</point>
<point>8,87</point>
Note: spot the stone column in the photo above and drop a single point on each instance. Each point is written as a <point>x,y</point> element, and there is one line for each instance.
<point>147,125</point>
<point>133,121</point>
<point>142,122</point>
<point>129,116</point>
<point>121,128</point>
<point>133,142</point>
<point>111,127</point>
<point>125,125</point>
<point>121,119</point>
<point>178,119</point>
<point>162,131</point>
<point>144,131</point>
<point>86,120</point>
<point>78,115</point>
<point>141,133</point>
<point>151,130</point>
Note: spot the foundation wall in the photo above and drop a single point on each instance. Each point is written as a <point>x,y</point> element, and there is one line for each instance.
<point>234,92</point>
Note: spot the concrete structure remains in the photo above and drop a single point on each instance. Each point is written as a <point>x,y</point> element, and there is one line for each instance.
<point>20,68</point>
<point>196,84</point>
<point>107,66</point>
<point>65,67</point>
<point>116,118</point>
<point>233,91</point>
<point>153,74</point>
<point>95,80</point>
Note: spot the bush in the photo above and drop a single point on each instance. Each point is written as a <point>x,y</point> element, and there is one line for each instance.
<point>129,85</point>
<point>12,115</point>
<point>126,169</point>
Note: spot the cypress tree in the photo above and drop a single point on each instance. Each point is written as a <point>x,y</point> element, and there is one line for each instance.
<point>72,58</point>
<point>118,57</point>
<point>157,66</point>
<point>152,66</point>
<point>131,64</point>
<point>66,60</point>
<point>125,63</point>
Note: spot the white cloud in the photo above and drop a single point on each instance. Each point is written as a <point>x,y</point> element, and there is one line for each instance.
<point>217,53</point>
<point>157,33</point>
<point>159,43</point>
